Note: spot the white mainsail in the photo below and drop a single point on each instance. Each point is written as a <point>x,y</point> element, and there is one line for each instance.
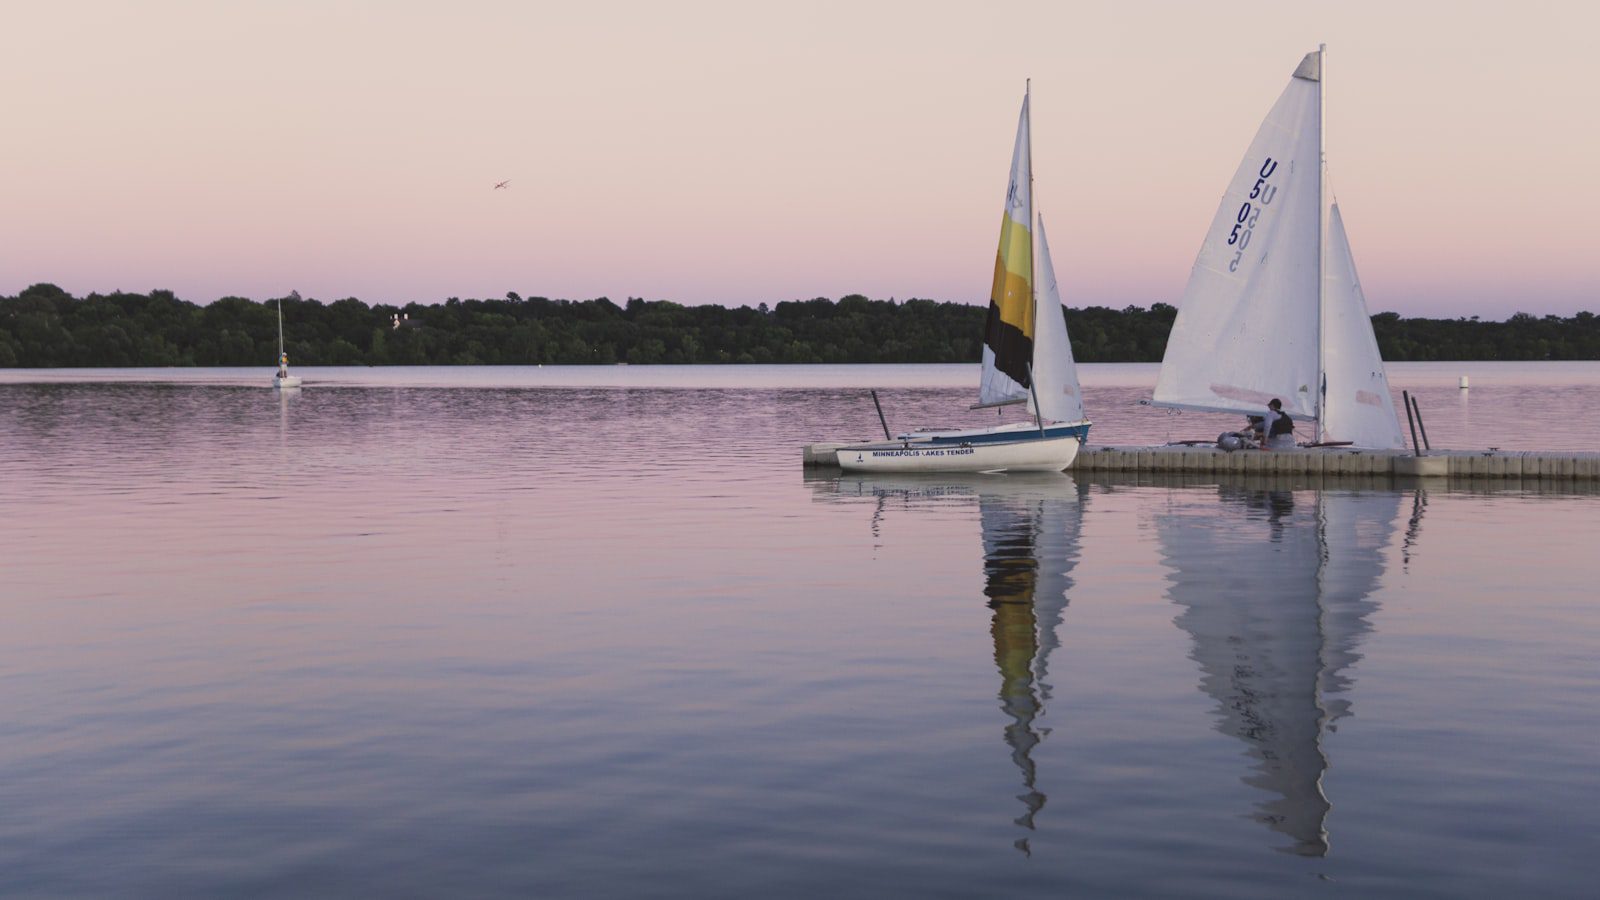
<point>1247,324</point>
<point>1055,374</point>
<point>1266,310</point>
<point>1007,344</point>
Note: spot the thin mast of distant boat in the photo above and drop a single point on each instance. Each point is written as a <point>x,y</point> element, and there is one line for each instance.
<point>282,378</point>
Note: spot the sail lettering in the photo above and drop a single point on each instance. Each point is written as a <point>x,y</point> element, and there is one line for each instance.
<point>1262,193</point>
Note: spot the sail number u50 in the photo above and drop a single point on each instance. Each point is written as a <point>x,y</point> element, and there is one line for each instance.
<point>1261,194</point>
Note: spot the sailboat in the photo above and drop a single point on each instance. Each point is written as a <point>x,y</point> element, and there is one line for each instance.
<point>1027,358</point>
<point>1273,308</point>
<point>282,378</point>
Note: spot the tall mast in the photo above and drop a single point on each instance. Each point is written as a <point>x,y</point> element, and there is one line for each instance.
<point>280,326</point>
<point>1322,238</point>
<point>1033,289</point>
<point>1033,283</point>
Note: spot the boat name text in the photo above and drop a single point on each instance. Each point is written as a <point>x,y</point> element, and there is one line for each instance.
<point>955,451</point>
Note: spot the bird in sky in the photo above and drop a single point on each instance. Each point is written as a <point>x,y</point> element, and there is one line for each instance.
<point>502,184</point>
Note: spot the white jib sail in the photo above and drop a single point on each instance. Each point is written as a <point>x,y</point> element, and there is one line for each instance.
<point>1358,407</point>
<point>1247,327</point>
<point>1055,374</point>
<point>1016,249</point>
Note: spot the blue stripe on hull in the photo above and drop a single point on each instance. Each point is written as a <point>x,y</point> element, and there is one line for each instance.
<point>1081,432</point>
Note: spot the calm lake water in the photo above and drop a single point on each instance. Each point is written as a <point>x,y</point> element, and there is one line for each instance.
<point>593,632</point>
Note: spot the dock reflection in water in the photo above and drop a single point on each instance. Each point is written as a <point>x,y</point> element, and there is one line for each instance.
<point>1275,589</point>
<point>399,639</point>
<point>1030,526</point>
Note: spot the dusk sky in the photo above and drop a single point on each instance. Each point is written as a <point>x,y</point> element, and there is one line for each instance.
<point>748,152</point>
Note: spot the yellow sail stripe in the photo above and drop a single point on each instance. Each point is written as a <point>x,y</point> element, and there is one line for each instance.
<point>1012,293</point>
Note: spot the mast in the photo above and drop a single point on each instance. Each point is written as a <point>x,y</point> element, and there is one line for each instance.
<point>1033,273</point>
<point>1033,288</point>
<point>280,326</point>
<point>1322,239</point>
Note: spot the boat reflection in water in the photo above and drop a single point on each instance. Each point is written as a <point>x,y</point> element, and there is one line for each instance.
<point>1030,528</point>
<point>1275,587</point>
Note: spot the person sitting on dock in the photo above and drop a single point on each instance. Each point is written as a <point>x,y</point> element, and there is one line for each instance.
<point>1256,427</point>
<point>1279,427</point>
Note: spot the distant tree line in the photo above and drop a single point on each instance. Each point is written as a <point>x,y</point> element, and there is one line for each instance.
<point>44,326</point>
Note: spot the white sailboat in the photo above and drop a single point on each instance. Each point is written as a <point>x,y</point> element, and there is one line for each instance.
<point>1027,358</point>
<point>282,378</point>
<point>1273,308</point>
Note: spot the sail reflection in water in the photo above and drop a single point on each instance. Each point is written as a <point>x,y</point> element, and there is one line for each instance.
<point>1275,587</point>
<point>1030,530</point>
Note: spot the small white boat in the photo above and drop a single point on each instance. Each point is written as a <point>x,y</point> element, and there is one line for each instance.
<point>282,378</point>
<point>1273,308</point>
<point>1023,454</point>
<point>1027,358</point>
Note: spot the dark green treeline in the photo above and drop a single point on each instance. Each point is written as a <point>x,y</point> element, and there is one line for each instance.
<point>44,326</point>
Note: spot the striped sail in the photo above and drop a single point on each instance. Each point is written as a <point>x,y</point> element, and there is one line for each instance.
<point>1008,331</point>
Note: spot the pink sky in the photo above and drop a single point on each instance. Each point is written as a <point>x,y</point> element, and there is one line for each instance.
<point>745,152</point>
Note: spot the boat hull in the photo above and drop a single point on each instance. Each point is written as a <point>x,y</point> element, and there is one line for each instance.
<point>292,381</point>
<point>1014,431</point>
<point>1048,454</point>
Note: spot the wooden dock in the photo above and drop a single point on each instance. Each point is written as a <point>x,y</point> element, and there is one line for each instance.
<point>1334,461</point>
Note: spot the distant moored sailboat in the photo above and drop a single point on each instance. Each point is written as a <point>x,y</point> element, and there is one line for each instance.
<point>282,378</point>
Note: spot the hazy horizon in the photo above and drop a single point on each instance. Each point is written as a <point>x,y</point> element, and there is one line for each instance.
<point>738,154</point>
